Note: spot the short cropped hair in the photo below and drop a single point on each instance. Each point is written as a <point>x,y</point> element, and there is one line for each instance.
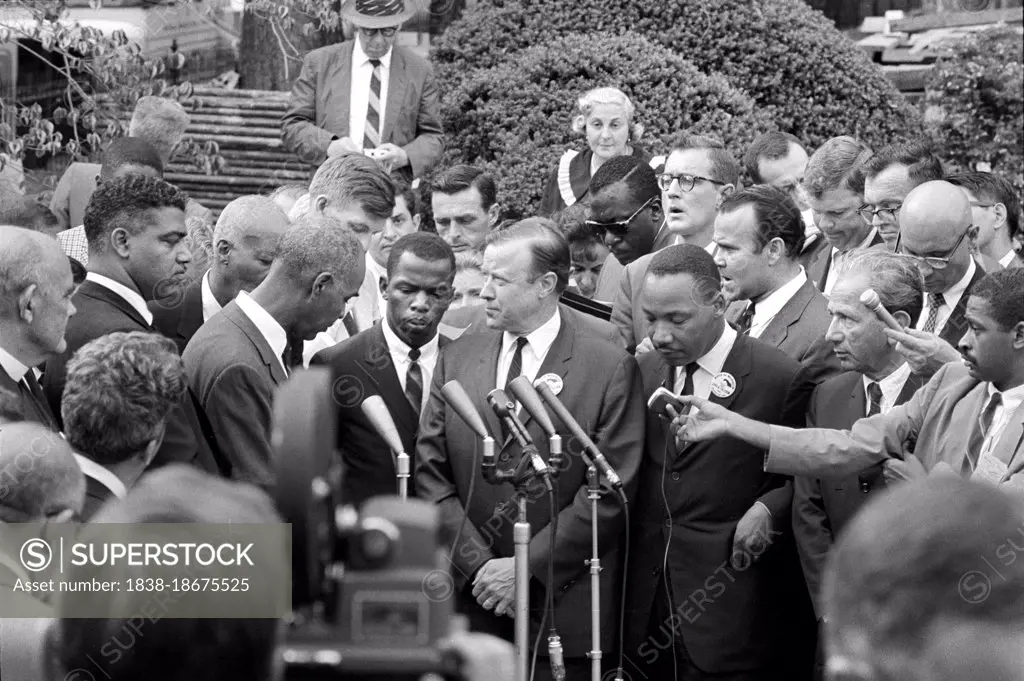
<point>424,245</point>
<point>918,155</point>
<point>549,250</point>
<point>994,188</point>
<point>896,280</point>
<point>690,260</point>
<point>638,176</point>
<point>459,178</point>
<point>777,216</point>
<point>130,151</point>
<point>315,244</point>
<point>26,212</point>
<point>25,258</point>
<point>769,146</point>
<point>724,167</point>
<point>605,95</point>
<point>837,164</point>
<point>238,216</point>
<point>125,203</point>
<point>291,191</point>
<point>120,390</point>
<point>355,179</point>
<point>39,477</point>
<point>469,260</point>
<point>161,122</point>
<point>1004,293</point>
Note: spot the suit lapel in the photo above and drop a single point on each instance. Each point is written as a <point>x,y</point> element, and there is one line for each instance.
<point>956,325</point>
<point>397,84</point>
<point>246,326</point>
<point>192,310</point>
<point>340,73</point>
<point>375,358</point>
<point>778,328</point>
<point>1008,448</point>
<point>91,289</point>
<point>559,354</point>
<point>736,364</point>
<point>484,382</point>
<point>911,386</point>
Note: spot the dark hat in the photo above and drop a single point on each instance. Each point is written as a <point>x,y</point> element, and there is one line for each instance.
<point>378,13</point>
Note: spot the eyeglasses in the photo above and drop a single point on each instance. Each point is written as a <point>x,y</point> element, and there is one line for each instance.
<point>868,213</point>
<point>934,262</point>
<point>686,181</point>
<point>980,204</point>
<point>371,32</point>
<point>619,228</point>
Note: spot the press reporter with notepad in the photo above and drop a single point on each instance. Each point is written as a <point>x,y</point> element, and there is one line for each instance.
<point>969,417</point>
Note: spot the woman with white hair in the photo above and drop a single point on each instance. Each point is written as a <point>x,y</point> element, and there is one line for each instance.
<point>605,116</point>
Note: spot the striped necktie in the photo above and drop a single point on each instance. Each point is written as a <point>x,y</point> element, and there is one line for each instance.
<point>371,131</point>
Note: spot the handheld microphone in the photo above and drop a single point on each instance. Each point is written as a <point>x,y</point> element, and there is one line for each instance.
<point>527,396</point>
<point>870,299</point>
<point>588,445</point>
<point>377,414</point>
<point>503,407</point>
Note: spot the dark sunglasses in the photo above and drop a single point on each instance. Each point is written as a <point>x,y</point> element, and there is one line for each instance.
<point>618,228</point>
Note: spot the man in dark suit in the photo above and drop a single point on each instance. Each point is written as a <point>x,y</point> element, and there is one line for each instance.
<point>235,360</point>
<point>245,242</point>
<point>834,184</point>
<point>996,213</point>
<point>367,95</point>
<point>530,334</point>
<point>136,231</point>
<point>394,359</point>
<point>758,233</point>
<point>36,289</point>
<point>714,589</point>
<point>120,390</point>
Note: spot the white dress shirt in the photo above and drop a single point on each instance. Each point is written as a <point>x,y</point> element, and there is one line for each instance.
<point>709,365</point>
<point>765,310</point>
<point>837,259</point>
<point>1008,258</point>
<point>12,366</point>
<point>272,332</point>
<point>210,304</point>
<point>362,72</point>
<point>1001,418</point>
<point>891,385</point>
<point>368,305</point>
<point>536,349</point>
<point>97,472</point>
<point>131,297</point>
<point>399,350</point>
<point>951,297</point>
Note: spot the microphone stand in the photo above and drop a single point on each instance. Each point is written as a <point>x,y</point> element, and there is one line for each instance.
<point>595,655</point>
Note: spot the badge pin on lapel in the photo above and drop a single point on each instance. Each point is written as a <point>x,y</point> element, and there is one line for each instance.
<point>723,385</point>
<point>554,382</point>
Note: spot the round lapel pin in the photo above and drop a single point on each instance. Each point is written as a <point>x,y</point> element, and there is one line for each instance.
<point>723,385</point>
<point>554,382</point>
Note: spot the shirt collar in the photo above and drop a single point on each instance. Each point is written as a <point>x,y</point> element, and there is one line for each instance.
<point>210,304</point>
<point>359,57</point>
<point>1012,397</point>
<point>892,384</point>
<point>863,244</point>
<point>273,332</point>
<point>1007,259</point>
<point>773,303</point>
<point>97,472</point>
<point>539,340</point>
<point>14,367</point>
<point>400,349</point>
<point>131,297</point>
<point>713,360</point>
<point>956,291</point>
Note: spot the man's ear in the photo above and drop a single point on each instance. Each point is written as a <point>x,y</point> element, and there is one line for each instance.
<point>320,203</point>
<point>416,219</point>
<point>1018,335</point>
<point>383,284</point>
<point>903,318</point>
<point>321,282</point>
<point>657,214</point>
<point>493,215</point>
<point>25,303</point>
<point>119,242</point>
<point>1001,214</point>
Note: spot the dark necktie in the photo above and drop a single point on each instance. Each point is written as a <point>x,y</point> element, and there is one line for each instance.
<point>516,367</point>
<point>32,394</point>
<point>371,130</point>
<point>874,399</point>
<point>981,429</point>
<point>414,381</point>
<point>688,381</point>
<point>744,320</point>
<point>935,301</point>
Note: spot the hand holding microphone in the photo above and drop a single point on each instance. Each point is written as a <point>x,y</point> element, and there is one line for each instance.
<point>870,299</point>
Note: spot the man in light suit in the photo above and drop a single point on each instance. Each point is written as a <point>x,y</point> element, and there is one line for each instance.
<point>529,333</point>
<point>995,209</point>
<point>758,233</point>
<point>380,361</point>
<point>714,583</point>
<point>237,358</point>
<point>968,418</point>
<point>366,95</point>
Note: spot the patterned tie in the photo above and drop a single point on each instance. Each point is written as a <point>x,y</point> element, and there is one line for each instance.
<point>414,381</point>
<point>935,301</point>
<point>516,367</point>
<point>371,131</point>
<point>874,399</point>
<point>744,320</point>
<point>981,429</point>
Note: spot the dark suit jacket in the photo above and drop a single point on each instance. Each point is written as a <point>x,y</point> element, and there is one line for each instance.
<point>799,331</point>
<point>811,251</point>
<point>601,388</point>
<point>821,508</point>
<point>363,364</point>
<point>233,372</point>
<point>818,269</point>
<point>319,107</point>
<point>100,311</point>
<point>756,617</point>
<point>956,326</point>
<point>31,410</point>
<point>179,318</point>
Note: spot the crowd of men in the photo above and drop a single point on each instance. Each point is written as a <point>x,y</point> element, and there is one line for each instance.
<point>812,502</point>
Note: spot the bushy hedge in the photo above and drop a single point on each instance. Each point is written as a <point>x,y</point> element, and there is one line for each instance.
<point>976,103</point>
<point>789,58</point>
<point>515,118</point>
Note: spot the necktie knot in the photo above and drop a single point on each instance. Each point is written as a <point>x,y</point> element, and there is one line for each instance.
<point>414,354</point>
<point>521,343</point>
<point>936,300</point>
<point>375,63</point>
<point>745,319</point>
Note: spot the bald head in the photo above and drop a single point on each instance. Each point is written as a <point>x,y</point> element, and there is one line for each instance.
<point>245,242</point>
<point>39,477</point>
<point>933,221</point>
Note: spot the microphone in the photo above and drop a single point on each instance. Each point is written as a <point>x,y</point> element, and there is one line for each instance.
<point>504,407</point>
<point>456,397</point>
<point>588,445</point>
<point>377,414</point>
<point>529,399</point>
<point>870,299</point>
